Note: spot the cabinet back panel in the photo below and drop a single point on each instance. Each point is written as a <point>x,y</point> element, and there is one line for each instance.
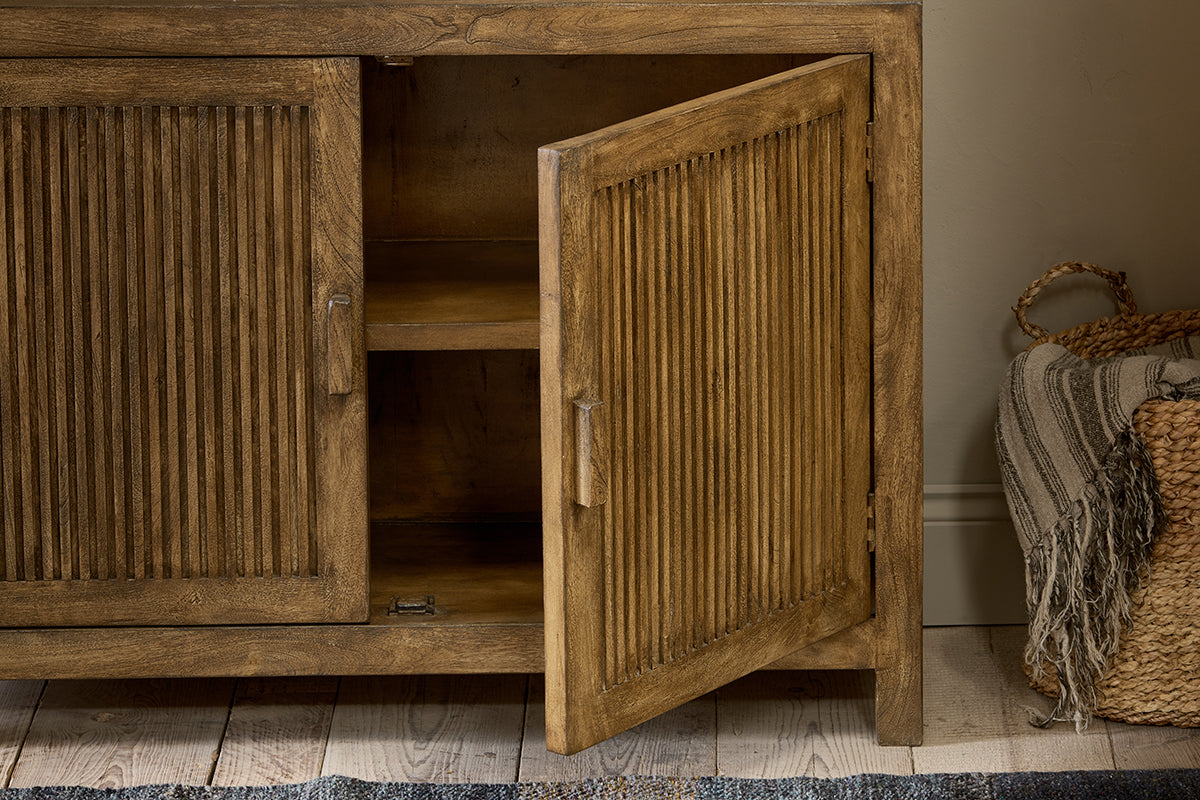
<point>454,435</point>
<point>450,143</point>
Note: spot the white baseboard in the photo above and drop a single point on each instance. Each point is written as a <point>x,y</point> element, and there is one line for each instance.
<point>974,573</point>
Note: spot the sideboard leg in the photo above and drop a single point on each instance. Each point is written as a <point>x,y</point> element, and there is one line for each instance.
<point>898,703</point>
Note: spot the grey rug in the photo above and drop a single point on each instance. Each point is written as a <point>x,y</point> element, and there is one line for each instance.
<point>1148,784</point>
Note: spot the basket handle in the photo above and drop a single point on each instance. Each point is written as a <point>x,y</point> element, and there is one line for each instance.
<point>1116,281</point>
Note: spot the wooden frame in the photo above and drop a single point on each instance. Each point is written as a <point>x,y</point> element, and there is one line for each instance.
<point>184,222</point>
<point>889,32</point>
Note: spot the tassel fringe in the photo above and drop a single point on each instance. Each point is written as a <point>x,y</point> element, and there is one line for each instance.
<point>1080,579</point>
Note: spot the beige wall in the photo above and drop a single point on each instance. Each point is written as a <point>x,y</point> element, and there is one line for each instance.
<point>1054,130</point>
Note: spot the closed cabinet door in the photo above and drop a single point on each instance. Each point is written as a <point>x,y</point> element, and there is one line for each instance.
<point>182,428</point>
<point>705,394</point>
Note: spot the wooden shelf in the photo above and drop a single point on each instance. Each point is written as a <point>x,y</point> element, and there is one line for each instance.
<point>452,295</point>
<point>477,573</point>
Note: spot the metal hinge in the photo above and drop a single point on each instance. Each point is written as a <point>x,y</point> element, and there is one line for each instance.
<point>870,522</point>
<point>870,152</point>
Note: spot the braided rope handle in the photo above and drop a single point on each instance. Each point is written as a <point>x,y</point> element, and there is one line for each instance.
<point>1116,281</point>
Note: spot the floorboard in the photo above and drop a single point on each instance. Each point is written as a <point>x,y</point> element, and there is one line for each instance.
<point>437,728</point>
<point>682,742</point>
<point>489,728</point>
<point>978,706</point>
<point>18,701</point>
<point>110,734</point>
<point>815,724</point>
<point>1147,747</point>
<point>277,733</point>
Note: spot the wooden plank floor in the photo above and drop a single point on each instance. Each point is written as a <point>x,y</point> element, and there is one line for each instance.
<point>488,728</point>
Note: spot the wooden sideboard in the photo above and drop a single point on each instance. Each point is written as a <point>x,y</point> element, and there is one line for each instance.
<point>403,337</point>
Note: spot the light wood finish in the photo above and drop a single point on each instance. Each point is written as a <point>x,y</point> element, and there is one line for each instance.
<point>126,733</point>
<point>89,28</point>
<point>277,731</point>
<point>452,296</point>
<point>896,375</point>
<point>796,732</point>
<point>428,728</point>
<point>18,701</point>
<point>478,574</point>
<point>450,143</point>
<point>705,276</point>
<point>1142,747</point>
<point>454,435</point>
<point>577,45</point>
<point>677,743</point>
<point>819,724</point>
<point>978,707</point>
<point>157,264</point>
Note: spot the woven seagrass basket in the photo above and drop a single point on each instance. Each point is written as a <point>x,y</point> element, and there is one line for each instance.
<point>1155,677</point>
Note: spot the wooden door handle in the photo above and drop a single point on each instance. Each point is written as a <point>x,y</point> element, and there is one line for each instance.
<point>339,330</point>
<point>592,454</point>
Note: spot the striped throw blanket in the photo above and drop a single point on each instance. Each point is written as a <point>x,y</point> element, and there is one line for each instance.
<point>1083,497</point>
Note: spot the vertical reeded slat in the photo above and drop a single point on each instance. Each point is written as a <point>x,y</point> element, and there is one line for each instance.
<point>9,477</point>
<point>720,362</point>
<point>155,343</point>
<point>153,385</point>
<point>135,343</point>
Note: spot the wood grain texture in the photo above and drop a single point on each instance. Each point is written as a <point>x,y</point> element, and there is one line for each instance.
<point>277,731</point>
<point>896,359</point>
<point>452,295</point>
<point>110,734</point>
<point>449,143</point>
<point>680,250</point>
<point>454,435</point>
<point>681,742</point>
<point>978,706</point>
<point>1148,747</point>
<point>18,702</point>
<point>331,28</point>
<point>273,650</point>
<point>428,728</point>
<point>818,724</point>
<point>157,262</point>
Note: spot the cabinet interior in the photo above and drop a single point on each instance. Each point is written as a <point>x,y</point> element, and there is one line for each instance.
<point>451,221</point>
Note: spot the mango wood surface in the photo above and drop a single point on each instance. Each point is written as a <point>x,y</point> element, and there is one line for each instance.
<point>170,453</point>
<point>273,27</point>
<point>450,142</point>
<point>456,295</point>
<point>896,360</point>
<point>888,31</point>
<point>454,436</point>
<point>722,237</point>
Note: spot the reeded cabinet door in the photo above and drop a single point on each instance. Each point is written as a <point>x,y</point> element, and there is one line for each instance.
<point>182,427</point>
<point>705,394</point>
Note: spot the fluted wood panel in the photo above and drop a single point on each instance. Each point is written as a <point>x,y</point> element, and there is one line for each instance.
<point>156,349</point>
<point>155,343</point>
<point>708,290</point>
<point>723,373</point>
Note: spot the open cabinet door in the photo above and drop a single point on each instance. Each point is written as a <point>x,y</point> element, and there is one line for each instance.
<point>705,394</point>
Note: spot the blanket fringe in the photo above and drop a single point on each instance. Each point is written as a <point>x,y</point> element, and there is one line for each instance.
<point>1080,579</point>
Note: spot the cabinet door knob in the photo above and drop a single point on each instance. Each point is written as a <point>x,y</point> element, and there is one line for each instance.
<point>592,450</point>
<point>339,340</point>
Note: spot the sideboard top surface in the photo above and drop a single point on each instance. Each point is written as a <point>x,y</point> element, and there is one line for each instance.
<point>69,28</point>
